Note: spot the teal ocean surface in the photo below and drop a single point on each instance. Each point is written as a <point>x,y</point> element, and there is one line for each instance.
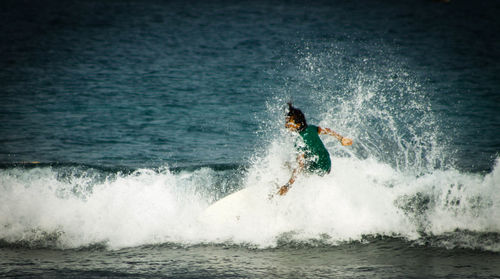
<point>121,122</point>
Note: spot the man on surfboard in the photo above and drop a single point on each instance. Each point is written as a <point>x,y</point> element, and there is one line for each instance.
<point>313,156</point>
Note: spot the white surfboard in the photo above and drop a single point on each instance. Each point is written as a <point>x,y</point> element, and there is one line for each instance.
<point>237,207</point>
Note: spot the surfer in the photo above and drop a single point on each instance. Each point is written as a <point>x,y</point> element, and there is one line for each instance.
<point>313,157</point>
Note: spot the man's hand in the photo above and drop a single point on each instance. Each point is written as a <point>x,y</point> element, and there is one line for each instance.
<point>283,190</point>
<point>346,141</point>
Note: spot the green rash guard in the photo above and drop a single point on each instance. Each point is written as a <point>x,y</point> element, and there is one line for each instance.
<point>317,158</point>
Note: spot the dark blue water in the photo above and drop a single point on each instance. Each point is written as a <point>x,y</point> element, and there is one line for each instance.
<point>121,121</point>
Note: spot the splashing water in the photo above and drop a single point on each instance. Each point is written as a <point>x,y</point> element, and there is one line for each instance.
<point>371,97</point>
<point>362,197</point>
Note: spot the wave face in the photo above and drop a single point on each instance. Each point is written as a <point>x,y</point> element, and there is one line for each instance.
<point>71,207</point>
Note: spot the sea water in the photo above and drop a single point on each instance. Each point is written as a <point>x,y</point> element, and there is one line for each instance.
<point>121,122</point>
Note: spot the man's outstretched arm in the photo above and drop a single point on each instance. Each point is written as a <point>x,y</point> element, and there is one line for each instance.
<point>325,131</point>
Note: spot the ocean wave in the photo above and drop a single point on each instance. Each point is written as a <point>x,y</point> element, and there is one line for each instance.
<point>77,207</point>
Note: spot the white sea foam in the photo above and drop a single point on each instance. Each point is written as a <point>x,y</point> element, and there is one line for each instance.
<point>360,197</point>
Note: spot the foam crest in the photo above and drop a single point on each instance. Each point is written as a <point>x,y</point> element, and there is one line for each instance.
<point>143,207</point>
<point>367,197</point>
<point>360,198</point>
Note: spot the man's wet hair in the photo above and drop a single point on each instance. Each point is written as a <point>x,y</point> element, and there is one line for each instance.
<point>298,116</point>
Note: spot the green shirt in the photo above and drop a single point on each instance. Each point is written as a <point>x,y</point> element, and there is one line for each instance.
<point>317,158</point>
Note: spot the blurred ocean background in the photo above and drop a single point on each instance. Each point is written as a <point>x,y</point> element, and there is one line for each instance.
<point>122,121</point>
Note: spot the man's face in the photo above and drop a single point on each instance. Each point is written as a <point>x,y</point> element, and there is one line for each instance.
<point>290,124</point>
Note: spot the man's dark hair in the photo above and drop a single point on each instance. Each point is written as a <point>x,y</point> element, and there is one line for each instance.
<point>298,116</point>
